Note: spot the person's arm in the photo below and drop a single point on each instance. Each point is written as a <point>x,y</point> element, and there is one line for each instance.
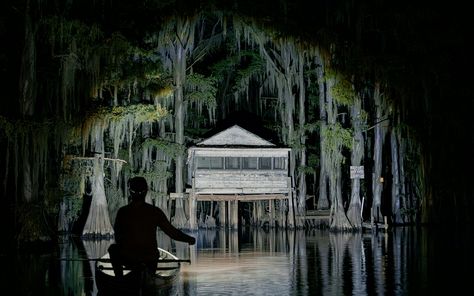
<point>172,231</point>
<point>118,228</point>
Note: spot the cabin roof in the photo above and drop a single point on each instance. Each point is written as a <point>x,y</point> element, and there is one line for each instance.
<point>235,136</point>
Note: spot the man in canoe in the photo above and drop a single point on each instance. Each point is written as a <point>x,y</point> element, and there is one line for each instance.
<point>135,231</point>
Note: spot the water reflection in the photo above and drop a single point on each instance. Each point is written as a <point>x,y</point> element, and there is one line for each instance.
<point>405,261</point>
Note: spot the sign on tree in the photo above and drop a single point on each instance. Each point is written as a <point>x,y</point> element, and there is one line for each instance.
<point>357,172</point>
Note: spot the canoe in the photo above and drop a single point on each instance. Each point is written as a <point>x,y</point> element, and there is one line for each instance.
<point>134,281</point>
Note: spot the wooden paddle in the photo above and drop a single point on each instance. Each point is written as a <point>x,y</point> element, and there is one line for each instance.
<point>108,260</point>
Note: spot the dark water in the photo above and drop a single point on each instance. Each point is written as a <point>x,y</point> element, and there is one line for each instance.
<point>402,261</point>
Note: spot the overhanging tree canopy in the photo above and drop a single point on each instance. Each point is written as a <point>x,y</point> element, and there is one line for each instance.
<point>84,54</point>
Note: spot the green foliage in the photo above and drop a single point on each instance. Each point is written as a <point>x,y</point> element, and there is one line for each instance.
<point>252,64</point>
<point>335,138</point>
<point>72,179</point>
<point>313,160</point>
<point>117,68</point>
<point>126,65</point>
<point>158,174</point>
<point>126,167</point>
<point>72,184</point>
<point>312,127</point>
<point>241,66</point>
<point>226,65</point>
<point>74,207</point>
<point>363,118</point>
<point>115,200</point>
<point>307,170</point>
<point>63,33</point>
<point>147,113</point>
<point>170,149</point>
<point>343,92</point>
<point>201,89</point>
<point>141,113</point>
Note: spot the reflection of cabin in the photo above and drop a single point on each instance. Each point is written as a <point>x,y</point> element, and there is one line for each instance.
<point>236,165</point>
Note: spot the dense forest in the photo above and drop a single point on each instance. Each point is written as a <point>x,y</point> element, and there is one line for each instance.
<point>95,92</point>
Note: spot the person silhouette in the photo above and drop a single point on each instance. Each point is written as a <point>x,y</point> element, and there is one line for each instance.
<point>135,231</point>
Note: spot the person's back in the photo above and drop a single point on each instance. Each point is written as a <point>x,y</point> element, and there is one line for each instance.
<point>135,230</point>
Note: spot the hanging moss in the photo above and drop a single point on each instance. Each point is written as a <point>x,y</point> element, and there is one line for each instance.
<point>158,174</point>
<point>140,113</point>
<point>121,72</point>
<point>126,167</point>
<point>61,32</point>
<point>130,70</point>
<point>343,92</point>
<point>251,65</point>
<point>171,149</point>
<point>201,89</point>
<point>74,173</point>
<point>147,113</point>
<point>306,170</point>
<point>335,138</point>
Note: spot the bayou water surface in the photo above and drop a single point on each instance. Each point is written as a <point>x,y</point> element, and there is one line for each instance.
<point>401,261</point>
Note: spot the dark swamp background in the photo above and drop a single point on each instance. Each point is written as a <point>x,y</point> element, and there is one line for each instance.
<point>425,39</point>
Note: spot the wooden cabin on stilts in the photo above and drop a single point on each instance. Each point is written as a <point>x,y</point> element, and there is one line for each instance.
<point>236,177</point>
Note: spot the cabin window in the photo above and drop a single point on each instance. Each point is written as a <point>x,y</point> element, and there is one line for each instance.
<point>210,163</point>
<point>279,163</point>
<point>203,162</point>
<point>217,163</point>
<point>236,163</point>
<point>232,163</point>
<point>250,163</point>
<point>265,163</point>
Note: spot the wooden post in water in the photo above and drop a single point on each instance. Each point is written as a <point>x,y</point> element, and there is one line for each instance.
<point>229,215</point>
<point>235,214</point>
<point>222,213</point>
<point>253,219</point>
<point>192,211</point>
<point>271,206</point>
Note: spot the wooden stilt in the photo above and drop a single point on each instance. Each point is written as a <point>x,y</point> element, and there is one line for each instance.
<point>222,220</point>
<point>271,204</point>
<point>192,211</point>
<point>235,214</point>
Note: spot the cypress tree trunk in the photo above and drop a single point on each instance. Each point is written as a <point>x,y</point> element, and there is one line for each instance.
<point>323,200</point>
<point>27,85</point>
<point>28,68</point>
<point>302,138</point>
<point>285,80</point>
<point>333,147</point>
<point>179,218</point>
<point>98,221</point>
<point>27,185</point>
<point>354,211</point>
<point>379,131</point>
<point>402,191</point>
<point>176,42</point>
<point>339,220</point>
<point>282,69</point>
<point>396,217</point>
